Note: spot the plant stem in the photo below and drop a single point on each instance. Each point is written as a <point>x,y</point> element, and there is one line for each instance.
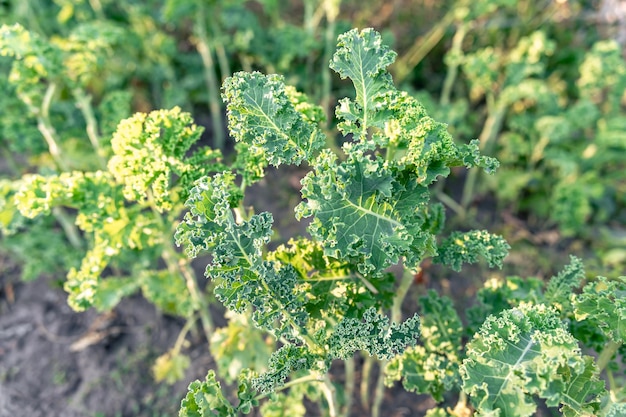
<point>44,125</point>
<point>183,334</point>
<point>83,102</point>
<point>422,47</point>
<point>396,316</point>
<point>47,130</point>
<point>379,391</point>
<point>331,7</point>
<point>401,292</point>
<point>179,266</point>
<point>349,387</point>
<point>68,226</point>
<point>301,380</point>
<point>449,201</point>
<point>607,353</point>
<point>329,392</point>
<point>487,137</point>
<point>453,67</point>
<point>365,377</point>
<point>210,77</point>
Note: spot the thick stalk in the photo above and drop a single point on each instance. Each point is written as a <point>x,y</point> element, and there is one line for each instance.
<point>179,266</point>
<point>183,334</point>
<point>487,137</point>
<point>349,387</point>
<point>401,292</point>
<point>455,51</point>
<point>332,10</point>
<point>68,226</point>
<point>379,391</point>
<point>451,203</point>
<point>210,77</point>
<point>365,378</point>
<point>47,130</point>
<point>83,102</point>
<point>97,8</point>
<point>329,393</point>
<point>396,317</point>
<point>422,46</point>
<point>607,354</point>
<point>301,380</point>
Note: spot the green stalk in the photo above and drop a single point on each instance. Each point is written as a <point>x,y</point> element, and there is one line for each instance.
<point>179,266</point>
<point>349,387</point>
<point>47,130</point>
<point>83,102</point>
<point>401,292</point>
<point>422,46</point>
<point>396,317</point>
<point>449,201</point>
<point>210,77</point>
<point>183,335</point>
<point>97,8</point>
<point>365,377</point>
<point>44,125</point>
<point>453,69</point>
<point>329,393</point>
<point>68,226</point>
<point>607,354</point>
<point>487,137</point>
<point>331,7</point>
<point>379,391</point>
<point>301,380</point>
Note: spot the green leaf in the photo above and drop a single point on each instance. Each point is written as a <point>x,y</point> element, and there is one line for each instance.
<point>362,57</point>
<point>462,248</point>
<point>261,113</point>
<point>524,352</point>
<point>432,367</point>
<point>561,287</point>
<point>205,399</point>
<point>374,335</point>
<point>150,149</point>
<point>363,214</point>
<point>283,362</point>
<point>603,303</point>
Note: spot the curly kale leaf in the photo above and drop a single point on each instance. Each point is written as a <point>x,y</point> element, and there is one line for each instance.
<point>498,295</point>
<point>523,352</point>
<point>433,366</point>
<point>603,303</point>
<point>101,213</point>
<point>282,363</point>
<point>462,248</point>
<point>243,278</point>
<point>363,214</point>
<point>424,145</point>
<point>374,335</point>
<point>333,287</point>
<point>149,149</point>
<point>205,399</point>
<point>362,57</point>
<point>266,115</point>
<point>560,287</point>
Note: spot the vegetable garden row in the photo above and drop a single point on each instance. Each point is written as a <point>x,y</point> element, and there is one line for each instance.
<point>466,144</point>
